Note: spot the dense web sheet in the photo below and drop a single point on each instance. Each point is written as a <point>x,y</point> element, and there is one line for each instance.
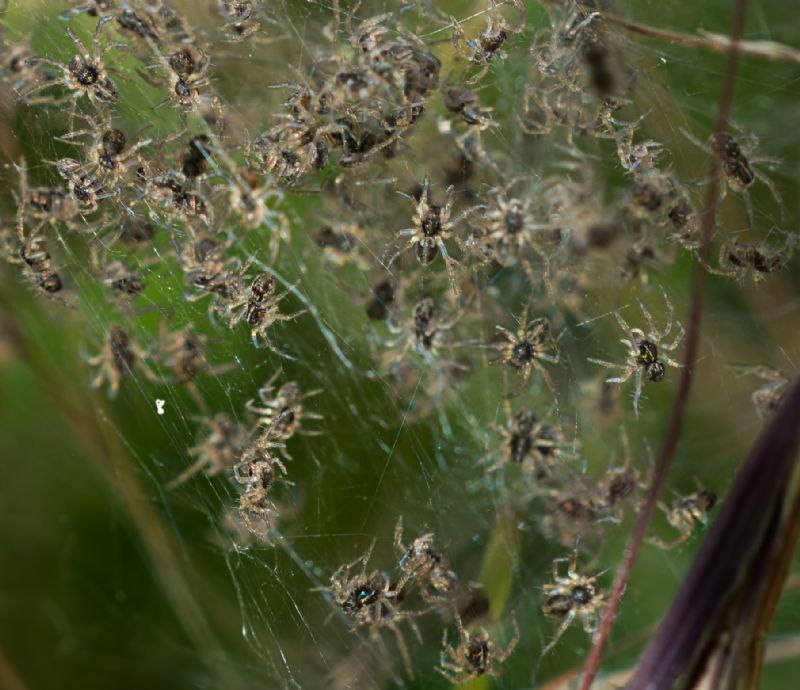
<point>510,222</point>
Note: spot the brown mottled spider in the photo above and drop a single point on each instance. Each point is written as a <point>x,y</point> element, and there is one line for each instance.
<point>475,655</point>
<point>371,601</point>
<point>94,8</point>
<point>283,410</point>
<point>242,22</point>
<point>508,232</point>
<point>83,75</point>
<point>645,356</point>
<point>185,354</point>
<point>737,165</point>
<point>738,259</point>
<point>570,512</point>
<point>432,227</point>
<point>489,43</point>
<point>685,221</point>
<point>256,472</point>
<point>207,269</point>
<point>257,305</point>
<point>383,295</point>
<point>108,155</point>
<point>530,443</point>
<point>526,349</point>
<point>37,264</point>
<point>424,331</point>
<point>619,482</point>
<point>185,73</point>
<point>570,597</point>
<point>768,397</point>
<point>117,360</point>
<point>218,450</point>
<point>684,514</point>
<point>420,562</point>
<point>30,252</point>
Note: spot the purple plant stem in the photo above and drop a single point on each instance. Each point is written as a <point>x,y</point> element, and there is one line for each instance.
<point>690,357</point>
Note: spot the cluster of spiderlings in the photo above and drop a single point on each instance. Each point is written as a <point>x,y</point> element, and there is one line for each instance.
<point>479,225</point>
<point>425,583</point>
<point>357,105</point>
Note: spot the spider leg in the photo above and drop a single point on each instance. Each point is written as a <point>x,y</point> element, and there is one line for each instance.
<point>637,392</point>
<point>450,263</point>
<point>196,467</point>
<point>402,250</point>
<point>505,653</point>
<point>652,330</point>
<point>699,144</point>
<point>589,623</point>
<point>403,647</point>
<point>669,347</point>
<point>560,631</point>
<point>627,368</point>
<point>774,191</point>
<point>748,204</point>
<point>444,669</point>
<point>622,323</point>
<point>552,359</point>
<point>667,545</point>
<point>479,75</point>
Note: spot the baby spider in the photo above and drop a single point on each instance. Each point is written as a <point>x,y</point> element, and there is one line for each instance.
<point>185,354</point>
<point>684,514</point>
<point>508,227</point>
<point>530,443</point>
<point>207,269</point>
<point>572,596</point>
<point>526,349</point>
<point>242,22</point>
<point>421,562</point>
<point>645,354</point>
<point>94,8</point>
<point>382,298</point>
<point>737,259</point>
<point>108,155</point>
<point>570,513</point>
<point>618,483</point>
<point>432,227</point>
<point>283,410</point>
<point>256,472</point>
<point>83,75</point>
<point>37,264</point>
<point>424,332</point>
<point>768,397</point>
<point>371,601</point>
<point>117,360</point>
<point>257,305</point>
<point>475,655</point>
<point>219,449</point>
<point>489,43</point>
<point>30,252</point>
<point>737,166</point>
<point>183,71</point>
